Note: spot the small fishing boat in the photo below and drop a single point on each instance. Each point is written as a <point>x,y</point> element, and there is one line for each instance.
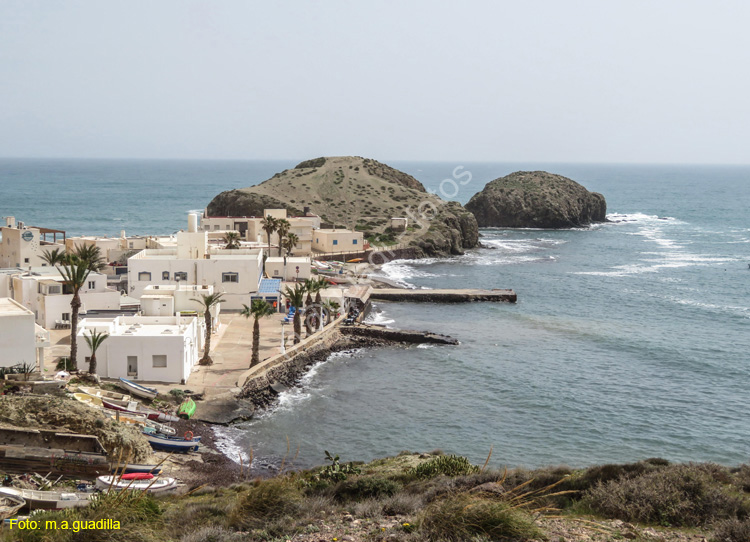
<point>173,444</point>
<point>187,409</point>
<point>136,389</point>
<point>141,420</point>
<point>157,485</point>
<point>133,409</point>
<point>10,505</point>
<point>47,500</point>
<point>88,400</point>
<point>131,468</point>
<point>111,396</point>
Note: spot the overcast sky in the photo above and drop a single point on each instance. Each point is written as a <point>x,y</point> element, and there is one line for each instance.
<point>570,81</point>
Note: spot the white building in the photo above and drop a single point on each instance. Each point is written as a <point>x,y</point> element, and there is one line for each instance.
<point>296,268</point>
<point>43,291</point>
<point>21,340</point>
<point>24,246</point>
<point>250,229</point>
<point>338,241</point>
<point>235,273</point>
<point>152,349</point>
<point>177,300</point>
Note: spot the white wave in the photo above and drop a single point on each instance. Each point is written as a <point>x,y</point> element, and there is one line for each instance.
<point>624,218</point>
<point>732,309</point>
<point>425,346</point>
<point>227,446</point>
<point>378,317</point>
<point>399,270</point>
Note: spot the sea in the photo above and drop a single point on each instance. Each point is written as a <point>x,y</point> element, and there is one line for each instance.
<point>629,340</point>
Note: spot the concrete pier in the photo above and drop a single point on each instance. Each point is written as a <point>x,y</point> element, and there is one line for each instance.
<point>466,295</point>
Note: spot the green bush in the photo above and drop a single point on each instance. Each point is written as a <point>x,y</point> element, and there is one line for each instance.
<point>732,530</point>
<point>679,495</point>
<point>367,488</point>
<point>462,517</point>
<point>266,501</point>
<point>448,465</point>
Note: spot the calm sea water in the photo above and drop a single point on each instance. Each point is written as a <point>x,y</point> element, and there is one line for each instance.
<point>629,340</point>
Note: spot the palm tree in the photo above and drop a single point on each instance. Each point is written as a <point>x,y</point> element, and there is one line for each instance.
<point>316,285</point>
<point>208,302</point>
<point>289,242</point>
<point>282,227</point>
<point>89,255</point>
<point>94,340</point>
<point>233,239</point>
<point>74,274</point>
<point>54,257</point>
<point>296,297</point>
<point>268,225</point>
<point>259,308</point>
<point>330,308</point>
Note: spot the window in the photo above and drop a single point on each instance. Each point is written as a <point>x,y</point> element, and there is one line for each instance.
<point>92,285</point>
<point>317,240</point>
<point>275,272</point>
<point>159,361</point>
<point>180,275</point>
<point>54,290</point>
<point>335,241</point>
<point>216,227</point>
<point>144,276</point>
<point>66,316</point>
<point>25,260</point>
<point>165,275</point>
<point>354,241</point>
<point>130,244</point>
<point>230,277</point>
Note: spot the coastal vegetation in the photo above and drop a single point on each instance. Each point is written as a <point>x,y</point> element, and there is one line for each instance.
<point>208,302</point>
<point>258,309</point>
<point>386,500</point>
<point>94,339</point>
<point>74,267</point>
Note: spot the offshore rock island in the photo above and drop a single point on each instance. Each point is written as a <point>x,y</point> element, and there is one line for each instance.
<point>536,199</point>
<point>363,195</point>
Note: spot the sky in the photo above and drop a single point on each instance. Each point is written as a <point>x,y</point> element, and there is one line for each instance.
<point>660,81</point>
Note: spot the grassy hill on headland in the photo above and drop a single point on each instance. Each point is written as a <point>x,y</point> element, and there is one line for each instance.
<point>359,194</point>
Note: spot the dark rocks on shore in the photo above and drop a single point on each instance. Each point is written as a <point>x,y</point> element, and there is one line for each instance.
<point>536,199</point>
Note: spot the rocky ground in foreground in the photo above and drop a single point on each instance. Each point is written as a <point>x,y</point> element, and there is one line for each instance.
<point>435,497</point>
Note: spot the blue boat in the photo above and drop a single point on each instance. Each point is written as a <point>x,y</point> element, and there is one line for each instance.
<point>159,441</point>
<point>136,389</point>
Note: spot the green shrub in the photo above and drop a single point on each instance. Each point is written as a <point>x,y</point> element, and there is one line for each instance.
<point>732,530</point>
<point>448,465</point>
<point>367,488</point>
<point>335,472</point>
<point>177,394</point>
<point>462,517</point>
<point>679,495</point>
<point>266,501</point>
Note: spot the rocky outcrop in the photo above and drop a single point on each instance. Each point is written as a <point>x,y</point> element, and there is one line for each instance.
<point>536,199</point>
<point>360,194</point>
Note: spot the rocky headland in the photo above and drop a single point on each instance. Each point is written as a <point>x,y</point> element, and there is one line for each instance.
<point>360,194</point>
<point>536,199</point>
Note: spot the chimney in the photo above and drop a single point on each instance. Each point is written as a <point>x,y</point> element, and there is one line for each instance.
<point>10,221</point>
<point>306,211</point>
<point>192,222</point>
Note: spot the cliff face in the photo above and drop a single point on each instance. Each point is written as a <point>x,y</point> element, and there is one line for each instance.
<point>359,194</point>
<point>536,199</point>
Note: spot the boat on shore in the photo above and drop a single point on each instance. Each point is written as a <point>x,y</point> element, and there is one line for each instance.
<point>140,420</point>
<point>111,396</point>
<point>133,468</point>
<point>187,409</point>
<point>136,389</point>
<point>10,505</point>
<point>47,500</point>
<point>173,444</point>
<point>156,485</point>
<point>135,410</point>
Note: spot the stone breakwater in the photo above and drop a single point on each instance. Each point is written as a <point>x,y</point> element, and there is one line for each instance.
<point>262,387</point>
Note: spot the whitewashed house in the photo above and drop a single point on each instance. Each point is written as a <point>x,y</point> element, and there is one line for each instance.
<point>178,300</point>
<point>21,339</point>
<point>295,267</point>
<point>147,348</point>
<point>235,273</point>
<point>43,291</point>
<point>23,246</point>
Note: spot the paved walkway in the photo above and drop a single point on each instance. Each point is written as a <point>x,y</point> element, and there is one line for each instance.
<point>231,350</point>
